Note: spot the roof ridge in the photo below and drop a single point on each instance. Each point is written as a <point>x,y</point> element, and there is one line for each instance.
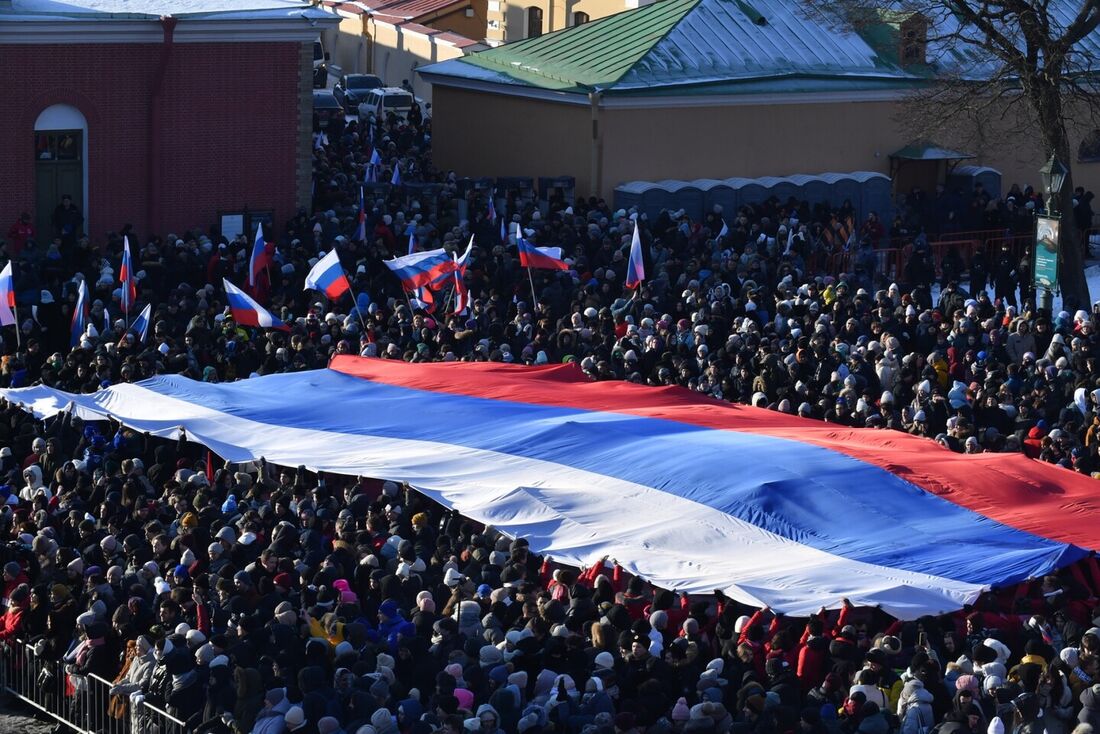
<point>691,5</point>
<point>500,57</point>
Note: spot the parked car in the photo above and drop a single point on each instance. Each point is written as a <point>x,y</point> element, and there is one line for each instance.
<point>320,65</point>
<point>381,102</point>
<point>352,90</point>
<point>325,109</point>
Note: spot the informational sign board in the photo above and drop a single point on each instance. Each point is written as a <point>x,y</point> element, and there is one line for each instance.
<point>1045,270</point>
<point>232,225</point>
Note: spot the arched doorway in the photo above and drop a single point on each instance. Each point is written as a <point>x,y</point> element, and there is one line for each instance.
<point>60,165</point>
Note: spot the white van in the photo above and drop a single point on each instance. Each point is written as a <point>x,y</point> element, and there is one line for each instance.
<point>381,102</point>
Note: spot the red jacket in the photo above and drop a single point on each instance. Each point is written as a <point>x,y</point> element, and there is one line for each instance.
<point>18,235</point>
<point>812,659</point>
<point>11,624</point>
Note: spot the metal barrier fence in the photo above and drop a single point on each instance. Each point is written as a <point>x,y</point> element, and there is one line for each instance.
<point>83,703</point>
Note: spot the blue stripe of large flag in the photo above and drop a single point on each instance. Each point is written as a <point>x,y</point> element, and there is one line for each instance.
<point>808,494</point>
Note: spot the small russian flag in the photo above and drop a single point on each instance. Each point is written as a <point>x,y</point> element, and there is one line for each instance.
<point>141,324</point>
<point>544,258</point>
<point>80,315</point>
<point>247,312</point>
<point>7,297</point>
<point>635,266</point>
<point>126,278</point>
<point>328,277</point>
<point>421,268</point>
<point>258,260</point>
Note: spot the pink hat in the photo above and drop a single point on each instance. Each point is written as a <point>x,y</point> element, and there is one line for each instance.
<point>681,712</point>
<point>967,683</point>
<point>454,670</point>
<point>341,585</point>
<point>348,597</point>
<point>465,699</point>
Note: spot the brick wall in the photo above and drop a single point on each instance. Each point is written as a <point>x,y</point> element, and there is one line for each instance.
<point>227,129</point>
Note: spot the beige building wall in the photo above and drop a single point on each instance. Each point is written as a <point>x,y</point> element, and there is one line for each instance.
<point>393,52</point>
<point>481,134</point>
<point>477,134</point>
<point>469,22</point>
<point>347,46</point>
<point>508,20</point>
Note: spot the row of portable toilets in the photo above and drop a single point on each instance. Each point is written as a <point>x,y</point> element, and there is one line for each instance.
<point>866,190</point>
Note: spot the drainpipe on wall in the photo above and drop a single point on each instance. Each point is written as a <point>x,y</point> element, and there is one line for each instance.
<point>370,41</point>
<point>595,164</point>
<point>152,157</point>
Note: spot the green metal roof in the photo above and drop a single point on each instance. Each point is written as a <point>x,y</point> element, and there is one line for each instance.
<point>592,55</point>
<point>674,47</point>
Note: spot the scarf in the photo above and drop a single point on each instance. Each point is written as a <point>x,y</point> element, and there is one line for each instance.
<point>85,649</point>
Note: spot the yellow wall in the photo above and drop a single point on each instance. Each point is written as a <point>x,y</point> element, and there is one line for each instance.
<point>346,46</point>
<point>472,27</point>
<point>391,52</point>
<point>479,134</point>
<point>556,15</point>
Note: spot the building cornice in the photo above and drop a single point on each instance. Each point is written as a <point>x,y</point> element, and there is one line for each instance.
<point>74,32</point>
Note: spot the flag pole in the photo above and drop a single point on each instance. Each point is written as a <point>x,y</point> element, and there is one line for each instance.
<point>355,304</point>
<point>534,298</point>
<point>18,336</point>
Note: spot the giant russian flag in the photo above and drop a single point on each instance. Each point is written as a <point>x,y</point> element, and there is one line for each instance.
<point>690,493</point>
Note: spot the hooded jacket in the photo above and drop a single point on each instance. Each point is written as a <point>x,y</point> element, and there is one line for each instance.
<point>915,708</point>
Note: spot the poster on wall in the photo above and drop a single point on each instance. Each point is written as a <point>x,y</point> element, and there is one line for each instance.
<point>232,225</point>
<point>1046,253</point>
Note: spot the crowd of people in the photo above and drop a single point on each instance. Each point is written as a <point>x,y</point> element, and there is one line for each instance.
<point>254,598</point>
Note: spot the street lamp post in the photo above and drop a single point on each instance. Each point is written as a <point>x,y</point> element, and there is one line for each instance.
<point>1054,174</point>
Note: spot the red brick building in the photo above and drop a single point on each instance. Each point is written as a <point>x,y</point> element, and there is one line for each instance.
<point>164,114</point>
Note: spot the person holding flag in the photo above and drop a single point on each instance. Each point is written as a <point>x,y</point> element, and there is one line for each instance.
<point>246,312</point>
<point>635,265</point>
<point>80,315</point>
<point>126,279</point>
<point>327,276</point>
